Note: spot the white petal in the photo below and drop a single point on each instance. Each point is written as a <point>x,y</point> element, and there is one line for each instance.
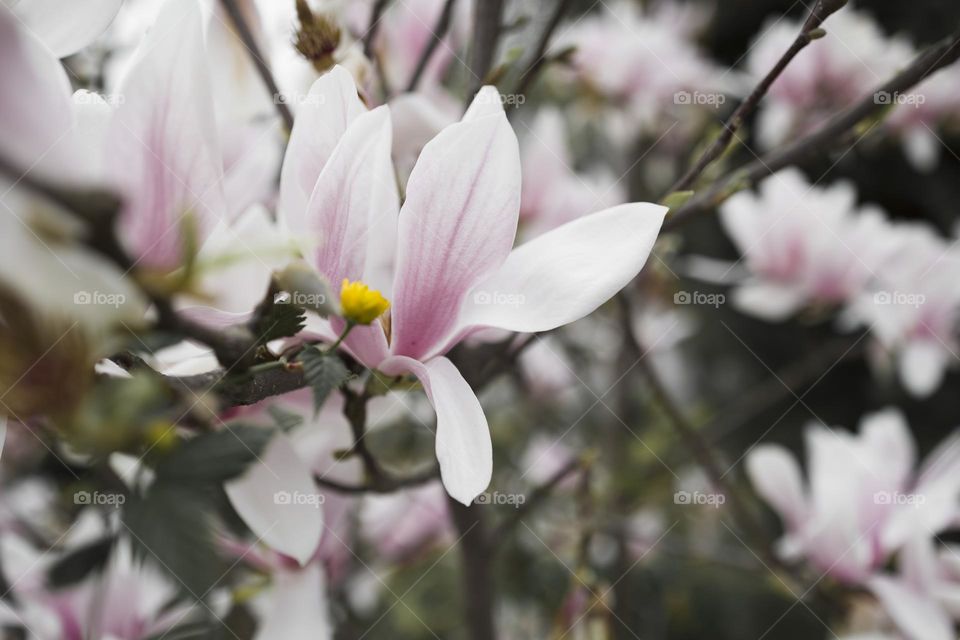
<point>36,120</point>
<point>278,500</point>
<point>463,445</point>
<point>66,26</point>
<point>296,606</point>
<point>459,222</point>
<point>923,364</point>
<point>485,104</point>
<point>917,616</point>
<point>566,273</point>
<point>770,302</point>
<point>354,200</point>
<point>330,106</point>
<point>165,155</point>
<point>775,475</point>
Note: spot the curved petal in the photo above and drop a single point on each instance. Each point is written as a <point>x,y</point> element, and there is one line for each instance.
<point>164,152</point>
<point>35,107</point>
<point>776,477</point>
<point>66,26</point>
<point>923,363</point>
<point>458,223</point>
<point>295,608</point>
<point>277,499</point>
<point>351,200</point>
<point>328,109</point>
<point>916,615</point>
<point>566,273</point>
<point>768,301</point>
<point>463,445</point>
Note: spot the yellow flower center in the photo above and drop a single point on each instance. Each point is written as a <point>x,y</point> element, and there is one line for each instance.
<point>361,304</point>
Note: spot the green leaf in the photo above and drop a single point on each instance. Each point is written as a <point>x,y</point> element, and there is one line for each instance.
<point>676,199</point>
<point>79,563</point>
<point>170,527</point>
<point>284,419</point>
<point>323,372</point>
<point>273,320</point>
<point>213,458</point>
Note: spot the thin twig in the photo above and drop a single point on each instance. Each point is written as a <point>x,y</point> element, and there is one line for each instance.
<point>371,33</point>
<point>537,496</point>
<point>256,56</point>
<point>693,440</point>
<point>438,33</point>
<point>820,12</point>
<point>388,483</point>
<point>539,57</point>
<point>475,547</point>
<point>828,136</point>
<point>487,23</point>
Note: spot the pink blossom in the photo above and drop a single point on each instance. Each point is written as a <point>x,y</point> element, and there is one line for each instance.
<point>452,244</point>
<point>863,499</point>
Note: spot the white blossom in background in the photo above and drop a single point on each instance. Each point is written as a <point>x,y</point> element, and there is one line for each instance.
<point>862,499</point>
<point>913,306</point>
<point>804,244</point>
<point>646,61</point>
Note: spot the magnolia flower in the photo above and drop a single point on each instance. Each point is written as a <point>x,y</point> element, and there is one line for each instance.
<point>128,600</point>
<point>923,600</point>
<point>65,26</point>
<point>803,244</point>
<point>452,243</point>
<point>155,145</point>
<point>647,60</point>
<point>914,306</point>
<point>863,499</point>
<point>847,64</point>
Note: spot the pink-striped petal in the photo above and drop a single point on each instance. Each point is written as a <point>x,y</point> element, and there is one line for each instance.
<point>458,224</point>
<point>330,106</point>
<point>164,155</point>
<point>463,445</point>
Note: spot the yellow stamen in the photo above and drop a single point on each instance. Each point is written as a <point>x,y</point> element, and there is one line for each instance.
<point>360,304</point>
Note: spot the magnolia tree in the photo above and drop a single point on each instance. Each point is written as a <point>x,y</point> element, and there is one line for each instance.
<point>489,319</point>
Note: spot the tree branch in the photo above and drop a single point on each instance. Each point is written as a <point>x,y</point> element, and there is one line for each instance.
<point>829,135</point>
<point>470,523</point>
<point>438,33</point>
<point>487,22</point>
<point>371,33</point>
<point>537,496</point>
<point>820,12</point>
<point>256,56</point>
<point>538,59</point>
